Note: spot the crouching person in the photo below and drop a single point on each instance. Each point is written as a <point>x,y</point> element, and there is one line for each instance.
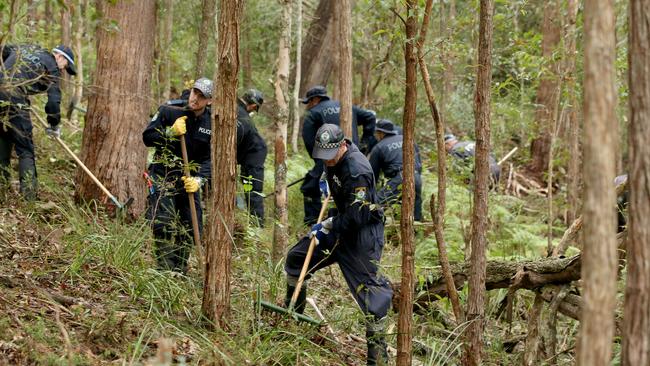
<point>352,236</point>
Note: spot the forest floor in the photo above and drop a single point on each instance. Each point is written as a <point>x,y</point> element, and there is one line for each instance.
<point>78,287</point>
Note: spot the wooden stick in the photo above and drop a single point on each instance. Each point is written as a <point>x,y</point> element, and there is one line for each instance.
<point>508,155</point>
<point>190,195</point>
<point>310,252</point>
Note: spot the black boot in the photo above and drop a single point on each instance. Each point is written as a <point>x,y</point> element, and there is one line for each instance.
<point>299,306</point>
<point>375,339</point>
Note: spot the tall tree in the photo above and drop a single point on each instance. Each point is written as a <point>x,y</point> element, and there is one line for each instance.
<point>482,100</point>
<point>79,25</point>
<point>112,141</point>
<point>166,32</point>
<point>216,285</point>
<point>404,325</point>
<point>600,139</point>
<point>208,12</point>
<point>281,88</point>
<point>572,112</point>
<point>344,15</point>
<point>636,318</point>
<point>547,91</point>
<point>439,214</point>
<point>317,51</point>
<point>298,76</point>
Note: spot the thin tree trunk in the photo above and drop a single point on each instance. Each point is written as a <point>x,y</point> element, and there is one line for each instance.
<point>533,337</point>
<point>208,12</point>
<point>318,52</point>
<point>482,100</point>
<point>546,92</point>
<point>66,39</point>
<point>296,86</point>
<point>165,47</point>
<point>404,325</point>
<point>79,30</point>
<point>636,318</point>
<point>114,120</point>
<point>216,285</point>
<point>572,112</point>
<point>601,133</point>
<point>438,212</point>
<point>345,65</point>
<point>281,87</point>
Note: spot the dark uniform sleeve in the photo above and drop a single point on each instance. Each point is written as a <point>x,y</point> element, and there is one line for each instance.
<point>375,159</point>
<point>309,128</point>
<point>154,134</point>
<point>358,208</point>
<point>53,105</point>
<point>418,159</point>
<point>368,120</point>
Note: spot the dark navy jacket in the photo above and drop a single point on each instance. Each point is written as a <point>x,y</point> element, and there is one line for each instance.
<point>251,148</point>
<point>33,70</point>
<point>197,140</point>
<point>327,111</point>
<point>387,157</point>
<point>352,185</point>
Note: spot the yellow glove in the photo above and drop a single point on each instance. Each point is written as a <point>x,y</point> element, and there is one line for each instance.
<point>178,128</point>
<point>192,184</point>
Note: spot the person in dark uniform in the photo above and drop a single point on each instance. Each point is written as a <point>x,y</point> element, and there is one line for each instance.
<point>386,157</point>
<point>352,236</point>
<point>251,153</point>
<point>168,204</point>
<point>465,150</point>
<point>321,110</point>
<point>28,70</point>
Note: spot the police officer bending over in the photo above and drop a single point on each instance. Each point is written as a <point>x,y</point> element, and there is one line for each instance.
<point>352,236</point>
<point>321,110</point>
<point>251,152</point>
<point>386,157</point>
<point>465,150</point>
<point>169,206</point>
<point>28,70</point>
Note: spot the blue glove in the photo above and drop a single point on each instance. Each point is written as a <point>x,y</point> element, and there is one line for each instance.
<point>323,186</point>
<point>322,231</point>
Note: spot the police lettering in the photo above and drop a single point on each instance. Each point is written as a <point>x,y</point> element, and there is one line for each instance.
<point>331,110</point>
<point>395,145</point>
<point>205,130</point>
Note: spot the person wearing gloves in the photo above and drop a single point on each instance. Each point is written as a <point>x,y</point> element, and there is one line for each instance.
<point>352,236</point>
<point>168,204</point>
<point>28,70</point>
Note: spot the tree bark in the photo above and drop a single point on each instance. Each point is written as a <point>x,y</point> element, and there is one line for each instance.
<point>599,250</point>
<point>532,340</point>
<point>208,12</point>
<point>482,100</point>
<point>112,145</point>
<point>572,112</point>
<point>165,47</point>
<point>636,318</point>
<point>66,39</point>
<point>404,325</point>
<point>79,30</point>
<point>547,90</point>
<point>345,65</point>
<point>297,78</point>
<point>438,212</point>
<point>216,285</point>
<point>318,51</point>
<point>281,88</point>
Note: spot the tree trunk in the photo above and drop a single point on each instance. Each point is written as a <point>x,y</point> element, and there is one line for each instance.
<point>298,76</point>
<point>165,47</point>
<point>112,144</point>
<point>281,87</point>
<point>79,30</point>
<point>601,133</point>
<point>318,51</point>
<point>482,100</point>
<point>636,318</point>
<point>572,112</point>
<point>438,212</point>
<point>532,339</point>
<point>547,90</point>
<point>216,285</point>
<point>66,39</point>
<point>404,325</point>
<point>345,65</point>
<point>208,12</point>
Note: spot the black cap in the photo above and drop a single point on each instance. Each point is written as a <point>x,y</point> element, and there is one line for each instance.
<point>329,138</point>
<point>253,96</point>
<point>316,91</point>
<point>450,137</point>
<point>66,52</point>
<point>386,126</point>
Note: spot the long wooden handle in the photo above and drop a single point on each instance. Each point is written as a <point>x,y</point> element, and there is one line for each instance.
<point>310,252</point>
<point>195,219</point>
<point>81,165</point>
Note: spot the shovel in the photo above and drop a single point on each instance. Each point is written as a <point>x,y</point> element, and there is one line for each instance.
<point>120,206</point>
<point>195,219</point>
